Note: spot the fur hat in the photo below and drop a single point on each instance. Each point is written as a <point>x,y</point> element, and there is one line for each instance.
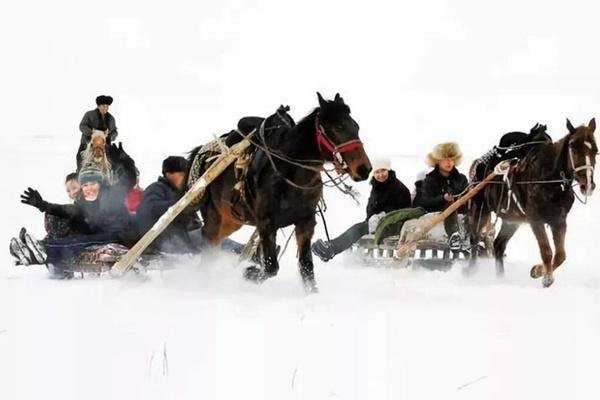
<point>103,99</point>
<point>90,173</point>
<point>174,164</point>
<point>381,163</point>
<point>442,151</point>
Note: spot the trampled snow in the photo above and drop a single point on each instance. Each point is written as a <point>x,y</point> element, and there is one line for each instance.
<point>414,74</point>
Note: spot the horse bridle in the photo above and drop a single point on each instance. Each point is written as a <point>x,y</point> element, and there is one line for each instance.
<point>336,150</point>
<point>588,167</point>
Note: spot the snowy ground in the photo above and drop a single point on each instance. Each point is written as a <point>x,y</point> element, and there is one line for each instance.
<point>200,331</point>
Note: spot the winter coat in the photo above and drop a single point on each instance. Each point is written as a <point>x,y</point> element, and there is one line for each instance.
<point>430,194</point>
<point>94,120</point>
<point>387,196</point>
<point>156,200</point>
<point>106,214</point>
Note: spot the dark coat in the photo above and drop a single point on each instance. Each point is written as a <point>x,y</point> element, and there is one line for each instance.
<point>156,200</point>
<point>430,194</point>
<point>106,214</point>
<point>387,196</point>
<point>94,120</point>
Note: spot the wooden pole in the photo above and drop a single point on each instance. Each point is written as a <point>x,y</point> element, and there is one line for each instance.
<point>197,190</point>
<point>404,248</point>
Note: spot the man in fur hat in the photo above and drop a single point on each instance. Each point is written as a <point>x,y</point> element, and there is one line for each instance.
<point>443,185</point>
<point>387,194</point>
<point>97,119</point>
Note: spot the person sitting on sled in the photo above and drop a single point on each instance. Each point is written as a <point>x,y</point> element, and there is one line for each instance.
<point>387,194</point>
<point>102,217</point>
<point>442,186</point>
<point>184,234</point>
<point>60,227</point>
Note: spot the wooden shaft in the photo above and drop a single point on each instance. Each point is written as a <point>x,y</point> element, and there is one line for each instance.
<point>197,190</point>
<point>429,224</point>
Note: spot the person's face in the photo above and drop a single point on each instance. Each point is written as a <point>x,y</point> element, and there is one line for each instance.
<point>176,179</point>
<point>381,174</point>
<point>446,165</point>
<point>73,188</point>
<point>90,190</point>
<point>103,108</point>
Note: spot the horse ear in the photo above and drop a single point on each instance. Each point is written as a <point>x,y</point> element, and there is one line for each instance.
<point>592,124</point>
<point>339,98</point>
<point>321,100</point>
<point>570,126</point>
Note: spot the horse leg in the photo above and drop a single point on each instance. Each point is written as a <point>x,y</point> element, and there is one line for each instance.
<point>507,231</point>
<point>558,235</point>
<point>304,233</point>
<point>544,269</point>
<point>218,225</point>
<point>270,265</point>
<point>477,219</point>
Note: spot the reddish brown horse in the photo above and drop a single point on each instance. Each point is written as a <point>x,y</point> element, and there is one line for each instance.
<point>282,183</point>
<point>538,190</point>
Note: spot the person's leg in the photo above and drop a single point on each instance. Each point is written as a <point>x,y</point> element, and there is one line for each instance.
<point>350,236</point>
<point>327,250</point>
<point>451,224</point>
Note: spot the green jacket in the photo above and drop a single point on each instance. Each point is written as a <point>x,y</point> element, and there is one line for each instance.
<point>94,120</point>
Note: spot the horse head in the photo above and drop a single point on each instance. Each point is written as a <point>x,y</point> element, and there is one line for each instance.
<point>124,171</point>
<point>97,146</point>
<point>582,151</point>
<point>338,140</point>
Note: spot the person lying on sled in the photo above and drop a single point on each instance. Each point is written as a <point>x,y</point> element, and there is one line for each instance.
<point>102,217</point>
<point>57,226</point>
<point>442,186</point>
<point>387,194</point>
<point>183,235</point>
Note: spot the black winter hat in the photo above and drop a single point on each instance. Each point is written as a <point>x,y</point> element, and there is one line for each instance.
<point>174,164</point>
<point>103,99</point>
<point>90,173</point>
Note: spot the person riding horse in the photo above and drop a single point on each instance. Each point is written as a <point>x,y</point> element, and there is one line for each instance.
<point>97,119</point>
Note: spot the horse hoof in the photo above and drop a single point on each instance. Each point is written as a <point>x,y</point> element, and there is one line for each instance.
<point>310,287</point>
<point>254,274</point>
<point>536,271</point>
<point>547,281</point>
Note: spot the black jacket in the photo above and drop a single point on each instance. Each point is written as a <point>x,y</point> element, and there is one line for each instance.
<point>156,200</point>
<point>387,196</point>
<point>435,185</point>
<point>106,214</point>
<point>94,120</point>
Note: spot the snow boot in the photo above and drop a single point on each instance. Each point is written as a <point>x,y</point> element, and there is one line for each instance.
<point>19,251</point>
<point>37,249</point>
<point>323,250</point>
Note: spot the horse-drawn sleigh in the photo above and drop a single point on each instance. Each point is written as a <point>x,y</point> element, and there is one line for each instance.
<point>267,173</point>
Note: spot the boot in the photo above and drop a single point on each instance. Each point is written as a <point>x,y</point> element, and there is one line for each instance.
<point>20,252</point>
<point>37,249</point>
<point>323,250</point>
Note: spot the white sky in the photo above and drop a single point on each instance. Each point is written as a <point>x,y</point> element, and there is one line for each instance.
<point>414,73</point>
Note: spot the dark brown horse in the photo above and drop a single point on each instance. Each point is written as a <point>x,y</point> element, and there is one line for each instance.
<point>282,183</point>
<point>538,190</point>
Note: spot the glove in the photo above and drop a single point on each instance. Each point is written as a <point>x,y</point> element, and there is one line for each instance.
<point>33,198</point>
<point>374,221</point>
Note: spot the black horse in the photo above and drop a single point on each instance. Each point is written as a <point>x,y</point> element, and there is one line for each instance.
<point>538,190</point>
<point>282,184</point>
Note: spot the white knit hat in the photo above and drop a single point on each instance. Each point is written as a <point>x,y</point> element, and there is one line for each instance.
<point>381,163</point>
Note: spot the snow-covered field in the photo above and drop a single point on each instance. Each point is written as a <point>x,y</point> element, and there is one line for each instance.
<point>200,331</point>
<point>414,73</point>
